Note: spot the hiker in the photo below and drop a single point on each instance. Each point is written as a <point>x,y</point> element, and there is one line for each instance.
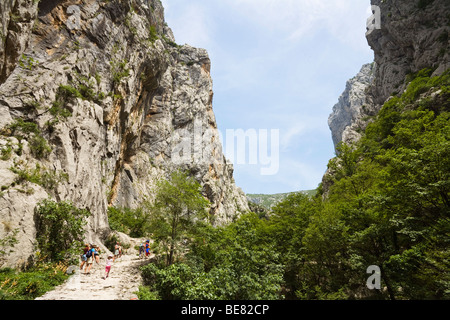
<point>141,250</point>
<point>90,259</point>
<point>83,256</point>
<point>109,262</point>
<point>116,250</point>
<point>97,254</point>
<point>147,248</point>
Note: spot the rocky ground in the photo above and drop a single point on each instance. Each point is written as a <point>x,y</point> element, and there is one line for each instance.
<point>122,283</point>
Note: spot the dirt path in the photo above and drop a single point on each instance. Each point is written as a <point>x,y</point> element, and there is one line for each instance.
<point>122,283</point>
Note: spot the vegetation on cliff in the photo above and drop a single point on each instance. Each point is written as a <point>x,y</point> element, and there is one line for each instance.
<point>59,230</point>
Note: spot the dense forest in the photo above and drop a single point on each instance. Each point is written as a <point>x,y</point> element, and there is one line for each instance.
<point>386,204</point>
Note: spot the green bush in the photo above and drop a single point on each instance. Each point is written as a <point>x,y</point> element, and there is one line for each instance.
<point>133,222</point>
<point>178,207</point>
<point>145,293</point>
<point>30,131</point>
<point>80,87</point>
<point>111,241</point>
<point>39,147</point>
<point>49,179</point>
<point>59,229</point>
<point>30,284</point>
<point>387,205</point>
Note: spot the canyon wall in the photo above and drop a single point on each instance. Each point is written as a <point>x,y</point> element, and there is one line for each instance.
<point>408,36</point>
<point>98,102</point>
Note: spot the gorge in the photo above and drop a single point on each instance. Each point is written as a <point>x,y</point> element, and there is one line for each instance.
<point>99,104</point>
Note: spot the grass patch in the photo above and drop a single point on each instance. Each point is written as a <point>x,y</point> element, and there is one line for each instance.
<point>48,179</point>
<point>119,70</point>
<point>30,131</point>
<point>30,284</point>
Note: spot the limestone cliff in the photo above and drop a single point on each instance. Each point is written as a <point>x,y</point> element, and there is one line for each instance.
<point>346,119</point>
<point>113,104</point>
<point>413,35</point>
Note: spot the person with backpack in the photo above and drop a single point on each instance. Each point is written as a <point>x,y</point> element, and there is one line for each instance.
<point>141,251</point>
<point>116,250</point>
<point>90,259</point>
<point>83,256</point>
<point>147,248</point>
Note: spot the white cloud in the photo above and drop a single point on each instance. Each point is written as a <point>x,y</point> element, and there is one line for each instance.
<point>288,135</point>
<point>343,19</point>
<point>300,175</point>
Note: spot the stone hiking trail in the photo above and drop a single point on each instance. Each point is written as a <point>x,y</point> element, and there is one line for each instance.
<point>123,281</point>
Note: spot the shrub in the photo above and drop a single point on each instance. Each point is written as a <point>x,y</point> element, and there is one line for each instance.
<point>39,147</point>
<point>153,34</point>
<point>131,221</point>
<point>59,229</point>
<point>234,262</point>
<point>178,207</point>
<point>119,71</point>
<point>6,152</point>
<point>7,243</point>
<point>22,129</point>
<point>49,179</point>
<point>30,284</point>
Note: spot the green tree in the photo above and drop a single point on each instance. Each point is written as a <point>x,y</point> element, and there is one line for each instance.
<point>178,206</point>
<point>59,229</point>
<point>286,226</point>
<point>131,221</point>
<point>393,198</point>
<point>233,262</point>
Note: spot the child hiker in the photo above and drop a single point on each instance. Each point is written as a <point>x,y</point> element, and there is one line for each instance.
<point>109,262</point>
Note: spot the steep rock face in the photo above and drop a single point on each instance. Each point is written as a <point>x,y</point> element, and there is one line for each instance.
<point>115,105</point>
<point>17,19</point>
<point>346,117</point>
<point>413,35</point>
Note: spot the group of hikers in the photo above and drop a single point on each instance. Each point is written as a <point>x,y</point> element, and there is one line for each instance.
<point>91,254</point>
<point>144,249</point>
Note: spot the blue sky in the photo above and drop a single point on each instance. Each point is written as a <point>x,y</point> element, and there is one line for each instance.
<point>277,65</point>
